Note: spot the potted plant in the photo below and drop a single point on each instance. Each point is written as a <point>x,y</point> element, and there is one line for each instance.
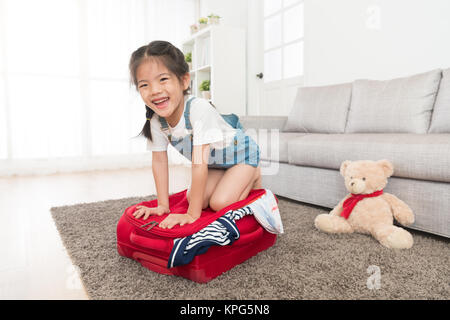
<point>204,88</point>
<point>214,19</point>
<point>203,22</point>
<point>188,58</point>
<point>194,28</point>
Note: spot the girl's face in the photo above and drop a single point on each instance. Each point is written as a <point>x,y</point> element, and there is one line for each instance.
<point>161,90</point>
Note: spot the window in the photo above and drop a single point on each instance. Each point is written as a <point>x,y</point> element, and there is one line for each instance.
<point>64,82</point>
<point>283,39</point>
<point>42,78</point>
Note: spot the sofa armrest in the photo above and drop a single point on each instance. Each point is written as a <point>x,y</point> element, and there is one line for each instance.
<point>263,122</point>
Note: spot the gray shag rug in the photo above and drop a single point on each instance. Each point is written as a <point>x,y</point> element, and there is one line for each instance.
<point>303,264</point>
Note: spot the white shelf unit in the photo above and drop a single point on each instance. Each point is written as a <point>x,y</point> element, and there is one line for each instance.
<point>219,55</point>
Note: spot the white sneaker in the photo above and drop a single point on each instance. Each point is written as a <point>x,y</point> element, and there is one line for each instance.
<point>266,212</point>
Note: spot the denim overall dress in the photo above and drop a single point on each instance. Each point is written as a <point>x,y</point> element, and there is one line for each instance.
<point>243,149</point>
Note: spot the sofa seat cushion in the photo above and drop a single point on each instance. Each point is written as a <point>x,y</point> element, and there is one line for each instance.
<point>416,156</point>
<point>401,105</point>
<point>273,146</point>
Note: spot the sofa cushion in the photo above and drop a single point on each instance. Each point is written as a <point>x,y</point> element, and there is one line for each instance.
<point>401,105</point>
<point>263,122</point>
<point>440,122</point>
<point>266,131</point>
<point>273,146</point>
<point>320,109</point>
<point>416,156</point>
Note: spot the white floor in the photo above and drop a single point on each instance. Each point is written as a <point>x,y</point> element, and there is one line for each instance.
<point>33,262</point>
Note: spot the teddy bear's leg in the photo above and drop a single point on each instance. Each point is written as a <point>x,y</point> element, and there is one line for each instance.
<point>393,237</point>
<point>332,224</point>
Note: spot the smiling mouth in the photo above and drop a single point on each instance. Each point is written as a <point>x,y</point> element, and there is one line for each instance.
<point>161,103</point>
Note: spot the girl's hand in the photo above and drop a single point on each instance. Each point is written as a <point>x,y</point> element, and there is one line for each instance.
<point>174,219</point>
<point>146,211</point>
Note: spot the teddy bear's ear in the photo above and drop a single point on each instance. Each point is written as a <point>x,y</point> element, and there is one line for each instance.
<point>387,166</point>
<point>344,166</point>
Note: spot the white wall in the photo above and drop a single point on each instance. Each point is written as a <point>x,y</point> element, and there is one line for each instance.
<point>351,39</point>
<point>374,39</point>
<point>232,12</point>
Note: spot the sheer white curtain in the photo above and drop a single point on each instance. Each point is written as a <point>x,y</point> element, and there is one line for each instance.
<point>65,99</point>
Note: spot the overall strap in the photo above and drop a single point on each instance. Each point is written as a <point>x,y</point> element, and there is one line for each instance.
<point>187,113</point>
<point>165,125</point>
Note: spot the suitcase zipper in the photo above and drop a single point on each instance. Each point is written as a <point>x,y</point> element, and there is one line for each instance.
<point>173,233</point>
<point>158,232</point>
<point>151,223</point>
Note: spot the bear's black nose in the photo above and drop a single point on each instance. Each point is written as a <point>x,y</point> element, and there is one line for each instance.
<point>352,184</point>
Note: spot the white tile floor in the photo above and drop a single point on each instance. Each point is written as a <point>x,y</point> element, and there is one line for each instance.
<point>33,261</point>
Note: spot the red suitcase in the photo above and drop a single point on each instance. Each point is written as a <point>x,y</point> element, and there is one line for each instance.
<point>152,245</point>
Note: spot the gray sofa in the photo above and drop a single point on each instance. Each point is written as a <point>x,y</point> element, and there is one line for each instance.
<point>405,120</point>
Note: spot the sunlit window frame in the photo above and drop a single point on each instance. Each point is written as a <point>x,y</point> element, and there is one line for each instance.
<point>282,46</point>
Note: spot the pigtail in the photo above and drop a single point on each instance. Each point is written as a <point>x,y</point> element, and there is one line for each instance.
<point>146,130</point>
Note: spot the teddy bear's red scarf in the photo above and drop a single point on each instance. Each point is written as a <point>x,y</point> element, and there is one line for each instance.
<point>351,202</point>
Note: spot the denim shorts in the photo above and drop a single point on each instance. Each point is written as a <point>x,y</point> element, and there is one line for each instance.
<point>243,149</point>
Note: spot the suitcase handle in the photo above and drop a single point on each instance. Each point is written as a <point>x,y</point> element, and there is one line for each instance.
<point>153,244</point>
<point>249,237</point>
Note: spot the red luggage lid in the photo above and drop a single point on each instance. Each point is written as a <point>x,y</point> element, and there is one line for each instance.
<point>178,204</point>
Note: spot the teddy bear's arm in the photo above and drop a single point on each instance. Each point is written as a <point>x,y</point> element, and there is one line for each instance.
<point>401,211</point>
<point>338,209</point>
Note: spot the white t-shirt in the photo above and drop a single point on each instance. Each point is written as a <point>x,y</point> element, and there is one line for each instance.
<point>208,127</point>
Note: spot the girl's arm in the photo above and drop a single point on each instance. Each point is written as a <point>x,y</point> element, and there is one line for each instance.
<point>160,168</point>
<point>200,156</point>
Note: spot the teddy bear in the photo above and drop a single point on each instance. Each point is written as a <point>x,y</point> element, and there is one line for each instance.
<point>367,209</point>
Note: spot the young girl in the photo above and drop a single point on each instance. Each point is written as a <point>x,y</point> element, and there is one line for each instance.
<point>224,159</point>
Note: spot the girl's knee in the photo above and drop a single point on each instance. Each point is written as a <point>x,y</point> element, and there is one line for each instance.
<point>217,203</point>
<point>258,179</point>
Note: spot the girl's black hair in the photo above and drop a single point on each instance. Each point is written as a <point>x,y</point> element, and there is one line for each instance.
<point>172,58</point>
